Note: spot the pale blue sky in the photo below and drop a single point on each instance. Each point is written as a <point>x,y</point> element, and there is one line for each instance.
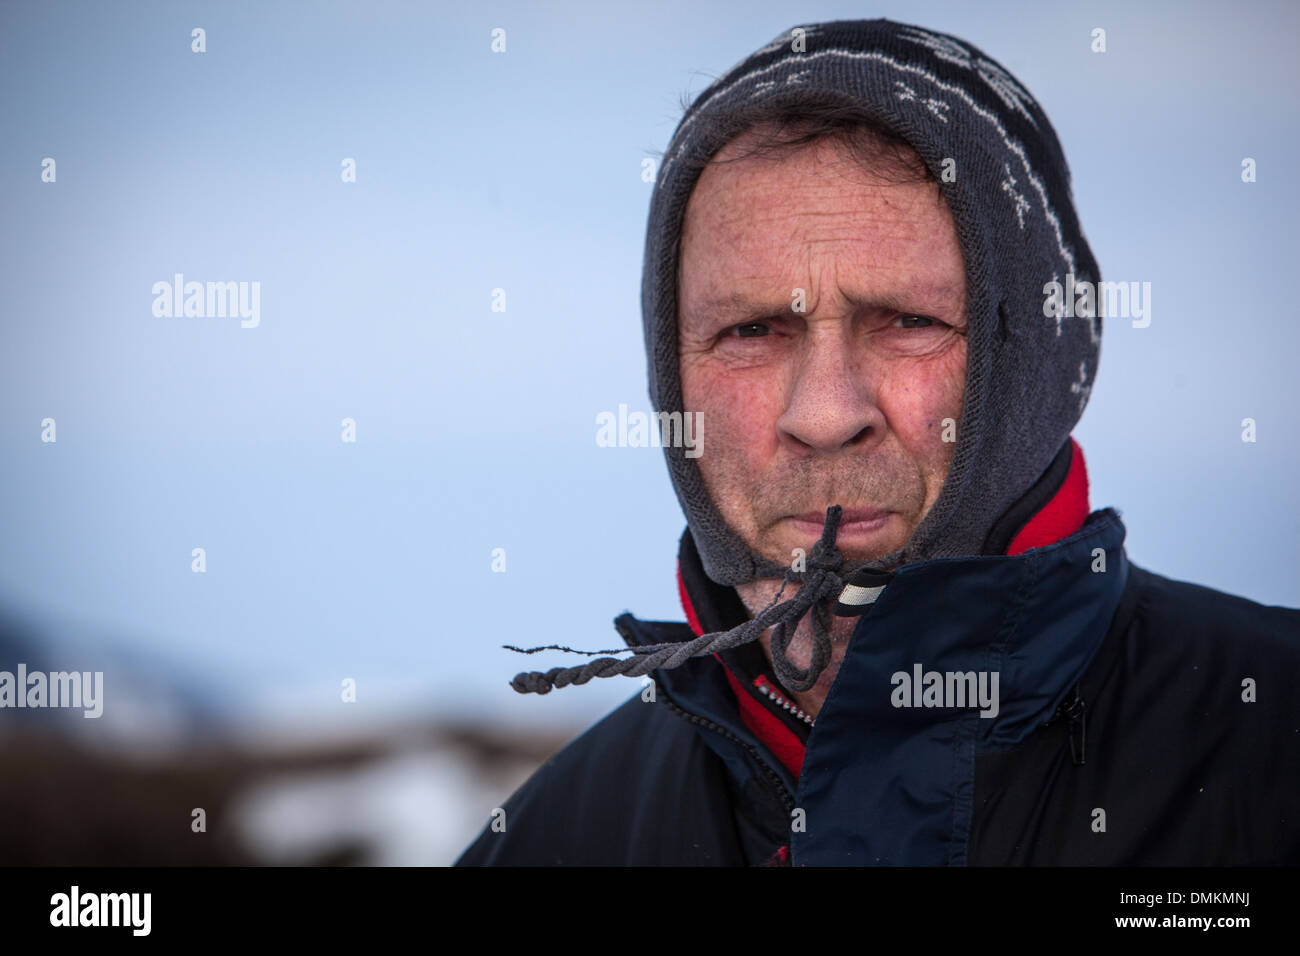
<point>476,429</point>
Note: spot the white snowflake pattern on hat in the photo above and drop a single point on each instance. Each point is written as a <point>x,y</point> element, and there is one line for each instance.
<point>998,80</point>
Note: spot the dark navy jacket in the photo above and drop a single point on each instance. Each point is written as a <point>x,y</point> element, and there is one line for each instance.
<point>1142,721</point>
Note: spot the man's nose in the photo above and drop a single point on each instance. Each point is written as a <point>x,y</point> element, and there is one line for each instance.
<point>831,402</point>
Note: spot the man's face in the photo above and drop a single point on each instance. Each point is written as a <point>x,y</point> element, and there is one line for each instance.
<point>844,402</point>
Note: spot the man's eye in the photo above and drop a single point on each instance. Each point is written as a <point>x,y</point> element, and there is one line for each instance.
<point>908,319</point>
<point>751,330</point>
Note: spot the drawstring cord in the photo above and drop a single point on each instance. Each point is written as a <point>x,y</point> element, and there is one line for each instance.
<point>821,585</point>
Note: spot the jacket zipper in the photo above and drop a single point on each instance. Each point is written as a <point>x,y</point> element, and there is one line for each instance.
<point>786,800</point>
<point>780,700</point>
<point>621,625</point>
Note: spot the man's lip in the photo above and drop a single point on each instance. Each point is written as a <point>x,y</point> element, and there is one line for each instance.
<point>849,516</point>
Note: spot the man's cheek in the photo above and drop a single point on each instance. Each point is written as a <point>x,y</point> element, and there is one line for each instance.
<point>725,452</point>
<point>744,425</point>
<point>936,410</point>
<point>735,454</point>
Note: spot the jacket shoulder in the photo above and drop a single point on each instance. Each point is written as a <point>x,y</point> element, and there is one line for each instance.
<point>1181,618</point>
<point>1198,725</point>
<point>639,787</point>
<point>1190,755</point>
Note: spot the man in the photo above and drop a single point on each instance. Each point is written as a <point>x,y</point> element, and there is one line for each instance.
<point>910,640</point>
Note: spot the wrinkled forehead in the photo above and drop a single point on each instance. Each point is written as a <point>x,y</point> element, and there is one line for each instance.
<point>755,229</point>
<point>770,169</point>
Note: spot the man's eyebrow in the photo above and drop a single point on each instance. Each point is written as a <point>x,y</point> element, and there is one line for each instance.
<point>740,303</point>
<point>730,302</point>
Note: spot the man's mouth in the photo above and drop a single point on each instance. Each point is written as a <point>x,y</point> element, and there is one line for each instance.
<point>854,523</point>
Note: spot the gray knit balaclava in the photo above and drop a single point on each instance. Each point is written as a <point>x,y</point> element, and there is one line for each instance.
<point>1028,374</point>
<point>1029,368</point>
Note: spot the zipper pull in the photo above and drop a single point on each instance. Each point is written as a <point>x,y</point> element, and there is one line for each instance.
<point>1074,712</point>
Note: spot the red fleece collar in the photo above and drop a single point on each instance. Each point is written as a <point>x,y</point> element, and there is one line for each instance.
<point>1061,517</point>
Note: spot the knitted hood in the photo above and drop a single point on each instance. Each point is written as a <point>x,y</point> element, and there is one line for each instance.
<point>1028,375</point>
